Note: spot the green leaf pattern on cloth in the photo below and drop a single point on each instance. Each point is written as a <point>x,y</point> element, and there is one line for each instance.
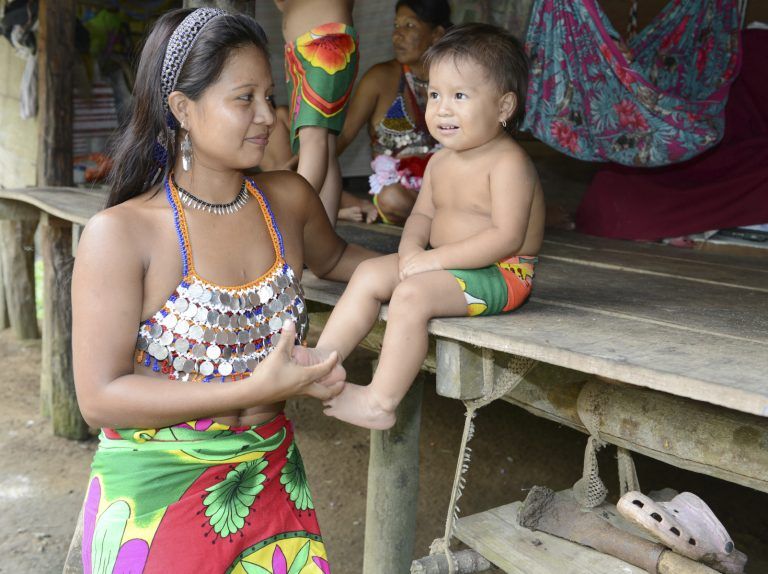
<point>108,535</point>
<point>294,478</point>
<point>229,501</point>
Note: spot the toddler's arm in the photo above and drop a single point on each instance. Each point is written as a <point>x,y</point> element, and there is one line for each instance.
<point>418,226</point>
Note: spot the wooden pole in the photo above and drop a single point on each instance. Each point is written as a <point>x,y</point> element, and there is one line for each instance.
<point>56,235</point>
<point>56,53</point>
<point>5,321</point>
<point>17,252</point>
<point>393,483</point>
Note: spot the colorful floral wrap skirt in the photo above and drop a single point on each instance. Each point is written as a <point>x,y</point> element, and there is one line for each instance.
<point>201,497</point>
<point>321,66</point>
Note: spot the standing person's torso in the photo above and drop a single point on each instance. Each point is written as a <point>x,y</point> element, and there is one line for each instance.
<point>300,16</point>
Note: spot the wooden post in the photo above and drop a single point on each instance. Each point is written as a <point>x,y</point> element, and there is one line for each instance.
<point>5,322</point>
<point>56,53</point>
<point>393,483</point>
<point>17,251</point>
<point>57,379</point>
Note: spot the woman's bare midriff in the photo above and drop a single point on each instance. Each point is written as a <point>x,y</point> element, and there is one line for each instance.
<point>247,417</point>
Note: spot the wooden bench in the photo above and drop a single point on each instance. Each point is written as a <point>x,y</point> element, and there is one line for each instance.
<point>666,350</point>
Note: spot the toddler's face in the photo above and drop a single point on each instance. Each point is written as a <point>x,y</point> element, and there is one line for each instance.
<point>463,104</point>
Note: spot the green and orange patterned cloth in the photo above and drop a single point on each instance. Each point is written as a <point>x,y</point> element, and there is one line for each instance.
<point>498,288</point>
<point>321,66</point>
<point>201,497</point>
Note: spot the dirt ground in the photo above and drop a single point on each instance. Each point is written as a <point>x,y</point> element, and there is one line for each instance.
<point>42,478</point>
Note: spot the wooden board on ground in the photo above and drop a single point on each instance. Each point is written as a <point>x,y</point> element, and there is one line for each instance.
<point>497,536</point>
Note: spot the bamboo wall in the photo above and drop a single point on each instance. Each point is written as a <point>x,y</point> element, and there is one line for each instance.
<point>18,137</point>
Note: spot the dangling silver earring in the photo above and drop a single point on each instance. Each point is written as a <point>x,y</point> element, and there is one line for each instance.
<point>186,152</point>
<point>504,124</point>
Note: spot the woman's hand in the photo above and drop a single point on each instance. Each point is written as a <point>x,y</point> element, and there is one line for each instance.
<point>309,356</point>
<point>419,262</point>
<point>291,373</point>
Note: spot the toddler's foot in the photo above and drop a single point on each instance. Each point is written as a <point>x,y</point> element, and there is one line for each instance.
<point>358,405</point>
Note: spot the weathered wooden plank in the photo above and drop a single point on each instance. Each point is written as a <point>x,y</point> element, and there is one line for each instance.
<point>711,308</point>
<point>634,248</point>
<point>496,535</point>
<point>71,204</point>
<point>736,273</point>
<point>18,256</point>
<point>646,353</point>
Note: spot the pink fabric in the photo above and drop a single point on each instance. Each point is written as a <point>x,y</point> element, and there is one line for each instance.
<point>726,186</point>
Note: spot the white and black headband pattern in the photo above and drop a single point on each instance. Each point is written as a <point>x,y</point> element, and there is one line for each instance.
<point>180,45</point>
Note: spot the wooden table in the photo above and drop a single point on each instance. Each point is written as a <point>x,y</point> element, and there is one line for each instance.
<point>666,349</point>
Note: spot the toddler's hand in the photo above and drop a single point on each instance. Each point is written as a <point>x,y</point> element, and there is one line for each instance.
<point>419,263</point>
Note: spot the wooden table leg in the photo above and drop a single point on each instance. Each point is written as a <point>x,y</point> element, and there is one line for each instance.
<point>17,248</point>
<point>393,483</point>
<point>57,383</point>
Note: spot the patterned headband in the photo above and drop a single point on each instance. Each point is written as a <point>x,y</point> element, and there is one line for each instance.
<point>180,45</point>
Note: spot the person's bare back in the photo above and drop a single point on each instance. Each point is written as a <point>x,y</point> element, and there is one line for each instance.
<point>300,16</point>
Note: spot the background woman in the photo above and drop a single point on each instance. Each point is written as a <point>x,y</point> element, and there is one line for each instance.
<point>390,100</point>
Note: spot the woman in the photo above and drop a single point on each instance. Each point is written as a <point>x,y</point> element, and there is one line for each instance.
<point>196,472</point>
<point>391,99</point>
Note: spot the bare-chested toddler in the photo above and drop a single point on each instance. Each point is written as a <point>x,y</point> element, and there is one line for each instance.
<point>469,247</point>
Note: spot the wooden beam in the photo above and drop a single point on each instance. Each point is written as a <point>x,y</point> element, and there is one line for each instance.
<point>57,383</point>
<point>688,434</point>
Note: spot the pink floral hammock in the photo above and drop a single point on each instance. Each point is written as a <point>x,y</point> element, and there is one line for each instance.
<point>655,101</point>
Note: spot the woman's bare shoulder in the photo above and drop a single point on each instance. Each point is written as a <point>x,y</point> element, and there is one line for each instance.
<point>123,227</point>
<point>284,189</point>
<point>387,72</point>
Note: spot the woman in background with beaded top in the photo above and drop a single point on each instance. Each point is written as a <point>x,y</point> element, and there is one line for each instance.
<point>188,282</point>
<point>390,99</point>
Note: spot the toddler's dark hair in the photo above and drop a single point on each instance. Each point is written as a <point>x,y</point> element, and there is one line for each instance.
<point>499,53</point>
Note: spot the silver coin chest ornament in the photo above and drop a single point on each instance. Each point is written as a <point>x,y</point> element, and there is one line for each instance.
<point>207,332</point>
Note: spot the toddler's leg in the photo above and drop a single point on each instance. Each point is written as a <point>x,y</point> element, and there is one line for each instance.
<point>414,302</point>
<point>313,155</point>
<point>356,312</point>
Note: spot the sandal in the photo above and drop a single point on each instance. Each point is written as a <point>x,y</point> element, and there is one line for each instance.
<point>686,525</point>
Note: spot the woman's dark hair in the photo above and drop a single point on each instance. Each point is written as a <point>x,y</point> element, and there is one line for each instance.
<point>433,12</point>
<point>135,152</point>
<point>495,50</point>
